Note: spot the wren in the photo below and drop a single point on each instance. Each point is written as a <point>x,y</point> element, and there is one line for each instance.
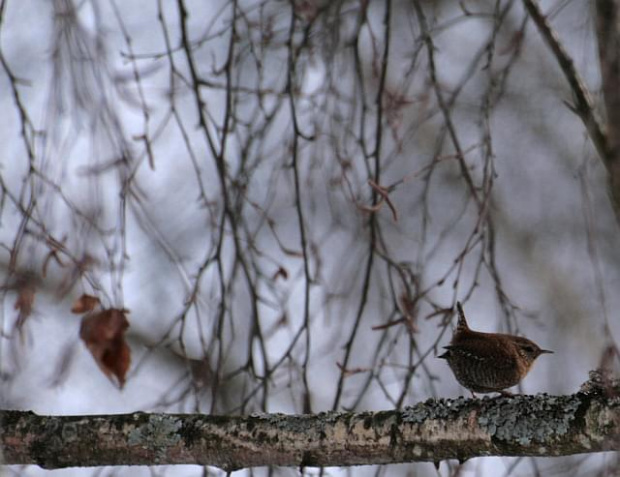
<point>489,362</point>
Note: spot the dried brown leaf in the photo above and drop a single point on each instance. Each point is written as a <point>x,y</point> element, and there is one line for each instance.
<point>24,302</point>
<point>280,273</point>
<point>84,304</point>
<point>103,334</point>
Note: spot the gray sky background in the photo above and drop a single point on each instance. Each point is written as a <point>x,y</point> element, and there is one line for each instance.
<point>152,220</point>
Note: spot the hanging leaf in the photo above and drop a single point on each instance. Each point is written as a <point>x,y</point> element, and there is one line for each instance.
<point>103,334</point>
<point>85,304</point>
<point>25,299</point>
<point>25,284</point>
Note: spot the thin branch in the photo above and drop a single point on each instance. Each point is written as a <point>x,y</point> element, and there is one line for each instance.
<point>584,106</point>
<point>608,34</point>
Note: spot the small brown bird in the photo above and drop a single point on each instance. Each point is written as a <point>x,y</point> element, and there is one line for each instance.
<point>489,362</point>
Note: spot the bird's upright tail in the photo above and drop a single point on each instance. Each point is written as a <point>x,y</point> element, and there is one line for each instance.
<point>461,325</point>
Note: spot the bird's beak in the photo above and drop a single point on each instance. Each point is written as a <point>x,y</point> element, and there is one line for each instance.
<point>545,351</point>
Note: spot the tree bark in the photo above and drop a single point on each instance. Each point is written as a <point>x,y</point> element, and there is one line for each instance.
<point>438,429</point>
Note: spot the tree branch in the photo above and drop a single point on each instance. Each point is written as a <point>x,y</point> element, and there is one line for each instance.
<point>605,140</point>
<point>608,35</point>
<point>541,425</point>
<point>583,106</point>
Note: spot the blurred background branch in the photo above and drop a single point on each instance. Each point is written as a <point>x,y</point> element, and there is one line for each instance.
<point>284,201</point>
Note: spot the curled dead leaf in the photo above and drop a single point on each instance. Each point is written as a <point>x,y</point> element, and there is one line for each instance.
<point>408,305</point>
<point>84,304</point>
<point>24,302</point>
<point>280,273</point>
<point>103,334</point>
<point>25,285</point>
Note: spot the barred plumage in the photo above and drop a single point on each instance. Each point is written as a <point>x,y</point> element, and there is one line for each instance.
<point>488,362</point>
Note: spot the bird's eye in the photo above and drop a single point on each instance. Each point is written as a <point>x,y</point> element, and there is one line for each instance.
<point>528,348</point>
